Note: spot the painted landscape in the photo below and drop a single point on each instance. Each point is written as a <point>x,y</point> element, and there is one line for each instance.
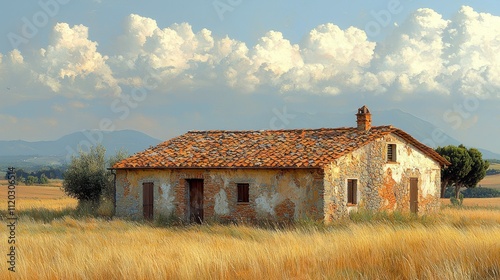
<point>232,139</point>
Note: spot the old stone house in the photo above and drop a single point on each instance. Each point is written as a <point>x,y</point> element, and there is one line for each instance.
<point>280,174</point>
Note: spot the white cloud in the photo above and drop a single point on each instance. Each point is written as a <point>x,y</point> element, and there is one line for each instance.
<point>411,60</point>
<point>425,54</point>
<point>71,64</point>
<point>473,50</point>
<point>275,54</point>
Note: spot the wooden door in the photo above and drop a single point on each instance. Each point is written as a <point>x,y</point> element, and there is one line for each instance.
<point>414,195</point>
<point>147,200</point>
<point>196,200</point>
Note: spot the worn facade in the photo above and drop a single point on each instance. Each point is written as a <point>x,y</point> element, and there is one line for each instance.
<point>273,194</point>
<point>320,174</point>
<point>382,184</point>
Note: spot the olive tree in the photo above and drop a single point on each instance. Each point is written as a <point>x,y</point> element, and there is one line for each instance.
<point>86,175</point>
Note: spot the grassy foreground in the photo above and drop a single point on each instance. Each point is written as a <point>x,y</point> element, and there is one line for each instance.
<point>454,244</point>
<point>53,241</point>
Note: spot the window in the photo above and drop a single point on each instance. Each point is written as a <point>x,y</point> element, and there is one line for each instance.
<point>243,191</point>
<point>391,152</point>
<point>352,190</point>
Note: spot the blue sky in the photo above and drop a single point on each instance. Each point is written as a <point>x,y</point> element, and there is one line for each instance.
<point>165,67</point>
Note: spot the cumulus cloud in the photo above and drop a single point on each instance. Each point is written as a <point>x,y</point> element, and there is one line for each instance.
<point>472,43</point>
<point>172,56</point>
<point>459,56</point>
<point>411,60</point>
<point>71,63</point>
<point>425,54</point>
<point>16,78</point>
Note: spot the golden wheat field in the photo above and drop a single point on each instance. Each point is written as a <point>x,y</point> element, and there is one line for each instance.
<point>491,181</point>
<point>456,243</point>
<point>49,197</point>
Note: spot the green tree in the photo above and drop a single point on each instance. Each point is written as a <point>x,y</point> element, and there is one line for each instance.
<point>86,175</point>
<point>43,179</point>
<point>478,169</point>
<point>459,168</point>
<point>31,180</point>
<point>88,179</point>
<point>466,170</point>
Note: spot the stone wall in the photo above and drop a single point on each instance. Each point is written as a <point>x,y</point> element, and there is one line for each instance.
<point>381,185</point>
<point>274,194</point>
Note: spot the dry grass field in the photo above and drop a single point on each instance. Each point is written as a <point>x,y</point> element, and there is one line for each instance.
<point>48,196</point>
<point>476,202</point>
<point>456,243</point>
<point>491,181</point>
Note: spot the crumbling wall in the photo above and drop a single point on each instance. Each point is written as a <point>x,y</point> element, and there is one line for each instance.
<point>285,194</point>
<point>381,185</point>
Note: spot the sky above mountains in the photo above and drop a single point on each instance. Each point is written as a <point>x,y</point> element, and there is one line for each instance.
<point>165,67</point>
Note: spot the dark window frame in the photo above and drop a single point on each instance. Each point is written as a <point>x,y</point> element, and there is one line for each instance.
<point>391,153</point>
<point>352,191</point>
<point>243,192</point>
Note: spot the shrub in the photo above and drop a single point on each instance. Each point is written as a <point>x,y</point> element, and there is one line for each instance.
<point>106,208</point>
<point>31,180</point>
<point>43,179</point>
<point>457,202</point>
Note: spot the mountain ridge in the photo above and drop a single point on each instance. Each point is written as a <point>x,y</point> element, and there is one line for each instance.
<point>61,150</point>
<point>130,140</point>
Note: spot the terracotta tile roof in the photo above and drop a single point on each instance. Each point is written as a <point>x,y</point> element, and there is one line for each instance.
<point>297,148</point>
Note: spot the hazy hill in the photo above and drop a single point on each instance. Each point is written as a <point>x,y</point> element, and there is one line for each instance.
<point>25,154</point>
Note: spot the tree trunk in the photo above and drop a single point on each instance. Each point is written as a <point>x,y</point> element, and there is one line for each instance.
<point>444,184</point>
<point>457,190</point>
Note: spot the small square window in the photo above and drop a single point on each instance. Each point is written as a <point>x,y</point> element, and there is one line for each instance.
<point>352,191</point>
<point>243,192</point>
<point>391,152</point>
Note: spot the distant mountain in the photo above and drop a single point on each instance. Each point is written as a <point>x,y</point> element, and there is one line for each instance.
<point>416,127</point>
<point>58,151</point>
<point>29,154</point>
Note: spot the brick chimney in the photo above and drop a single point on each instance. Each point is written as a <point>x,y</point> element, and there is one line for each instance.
<point>364,119</point>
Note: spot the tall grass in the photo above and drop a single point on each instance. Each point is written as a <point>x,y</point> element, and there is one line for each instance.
<point>454,244</point>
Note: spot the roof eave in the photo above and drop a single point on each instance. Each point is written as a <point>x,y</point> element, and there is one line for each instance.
<point>422,147</point>
<point>212,167</point>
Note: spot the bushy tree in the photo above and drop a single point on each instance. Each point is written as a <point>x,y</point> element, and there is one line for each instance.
<point>466,170</point>
<point>31,180</point>
<point>43,179</point>
<point>478,169</point>
<point>459,168</point>
<point>86,175</point>
<point>88,179</point>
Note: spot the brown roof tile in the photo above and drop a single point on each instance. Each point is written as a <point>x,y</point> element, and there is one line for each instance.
<point>303,148</point>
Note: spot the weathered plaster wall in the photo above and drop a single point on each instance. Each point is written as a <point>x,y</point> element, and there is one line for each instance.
<point>381,185</point>
<point>274,194</point>
<point>410,163</point>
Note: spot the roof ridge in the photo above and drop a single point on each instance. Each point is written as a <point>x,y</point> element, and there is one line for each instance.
<point>281,130</point>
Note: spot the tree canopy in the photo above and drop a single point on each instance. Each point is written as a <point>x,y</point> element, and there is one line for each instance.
<point>86,175</point>
<point>466,170</point>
